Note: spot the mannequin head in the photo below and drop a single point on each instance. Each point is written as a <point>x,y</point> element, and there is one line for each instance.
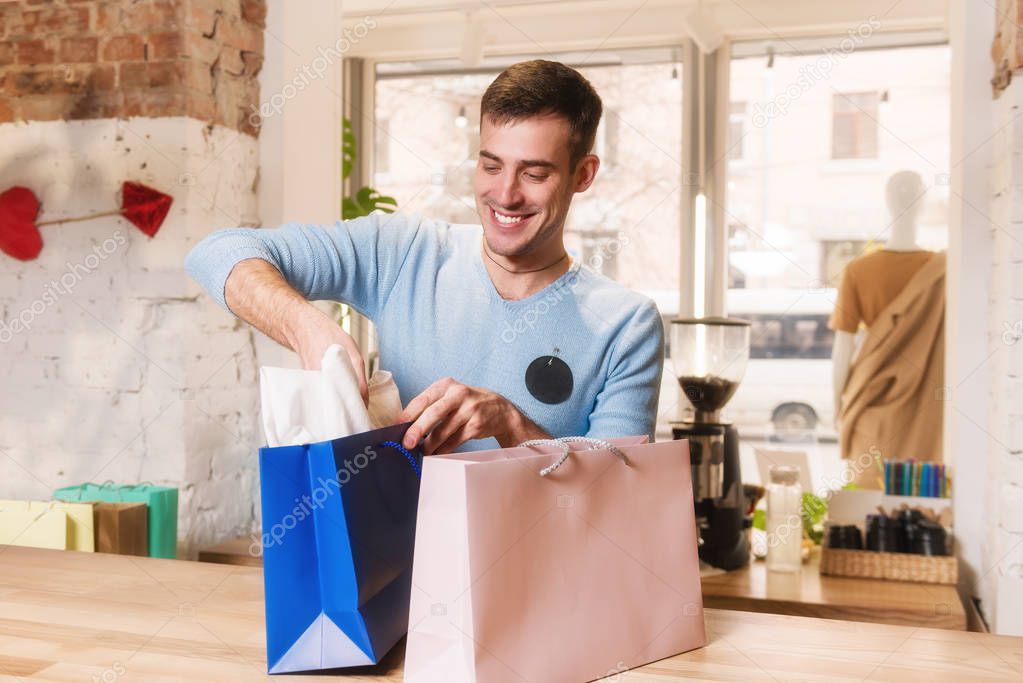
<point>904,196</point>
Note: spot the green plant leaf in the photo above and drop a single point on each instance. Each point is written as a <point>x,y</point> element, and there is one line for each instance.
<point>366,201</point>
<point>760,519</point>
<point>348,148</point>
<point>814,512</point>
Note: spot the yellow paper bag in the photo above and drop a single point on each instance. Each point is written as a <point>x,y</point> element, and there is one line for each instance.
<point>34,529</point>
<point>79,520</point>
<point>81,525</point>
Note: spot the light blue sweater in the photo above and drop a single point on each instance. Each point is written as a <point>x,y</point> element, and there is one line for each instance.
<point>581,357</point>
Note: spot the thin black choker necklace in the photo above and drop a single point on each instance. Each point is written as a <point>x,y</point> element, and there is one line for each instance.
<point>522,272</point>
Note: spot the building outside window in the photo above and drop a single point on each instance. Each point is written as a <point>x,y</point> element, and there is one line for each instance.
<point>854,125</point>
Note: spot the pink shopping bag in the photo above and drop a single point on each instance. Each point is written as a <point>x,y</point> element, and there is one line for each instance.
<point>576,575</point>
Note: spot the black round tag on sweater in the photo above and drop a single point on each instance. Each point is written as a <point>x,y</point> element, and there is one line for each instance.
<point>549,379</point>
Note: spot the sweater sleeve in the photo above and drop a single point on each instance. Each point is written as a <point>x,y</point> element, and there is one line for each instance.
<point>627,404</point>
<point>355,261</point>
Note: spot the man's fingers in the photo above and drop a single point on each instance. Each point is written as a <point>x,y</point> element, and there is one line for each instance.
<point>420,403</point>
<point>360,375</point>
<point>446,430</point>
<point>453,442</point>
<point>416,406</point>
<point>430,395</point>
<point>428,420</point>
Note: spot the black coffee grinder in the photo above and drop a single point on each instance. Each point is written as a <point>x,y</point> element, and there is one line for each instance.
<point>709,356</point>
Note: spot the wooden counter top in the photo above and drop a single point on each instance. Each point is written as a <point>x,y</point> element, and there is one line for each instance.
<point>809,594</point>
<point>67,616</point>
<point>234,551</point>
<point>754,589</point>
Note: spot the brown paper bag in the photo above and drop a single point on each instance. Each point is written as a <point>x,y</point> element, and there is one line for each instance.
<point>122,528</point>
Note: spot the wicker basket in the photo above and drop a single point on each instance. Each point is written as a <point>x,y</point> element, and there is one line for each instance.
<point>868,564</point>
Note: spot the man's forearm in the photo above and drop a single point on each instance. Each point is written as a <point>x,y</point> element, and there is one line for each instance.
<point>257,293</point>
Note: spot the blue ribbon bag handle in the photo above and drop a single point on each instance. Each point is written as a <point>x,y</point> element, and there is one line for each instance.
<point>408,456</point>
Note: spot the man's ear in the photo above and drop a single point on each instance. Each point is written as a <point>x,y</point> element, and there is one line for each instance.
<point>585,172</point>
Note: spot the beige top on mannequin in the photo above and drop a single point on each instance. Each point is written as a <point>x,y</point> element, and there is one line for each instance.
<point>903,194</point>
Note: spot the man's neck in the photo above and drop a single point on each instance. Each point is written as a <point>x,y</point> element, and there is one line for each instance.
<point>516,279</point>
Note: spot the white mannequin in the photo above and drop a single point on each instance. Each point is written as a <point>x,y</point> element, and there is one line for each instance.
<point>903,193</point>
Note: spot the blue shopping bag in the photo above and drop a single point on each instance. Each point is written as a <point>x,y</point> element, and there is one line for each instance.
<point>339,520</point>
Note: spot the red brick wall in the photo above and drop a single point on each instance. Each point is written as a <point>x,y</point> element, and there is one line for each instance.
<point>88,59</point>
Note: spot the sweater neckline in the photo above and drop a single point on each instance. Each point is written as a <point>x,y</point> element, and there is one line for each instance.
<point>569,277</point>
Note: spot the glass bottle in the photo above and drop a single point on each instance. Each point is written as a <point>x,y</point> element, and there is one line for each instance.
<point>784,521</point>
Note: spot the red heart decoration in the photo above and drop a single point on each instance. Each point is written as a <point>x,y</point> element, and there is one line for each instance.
<point>19,236</point>
<point>144,206</point>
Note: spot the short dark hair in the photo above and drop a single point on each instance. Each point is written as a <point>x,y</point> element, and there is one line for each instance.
<point>540,87</point>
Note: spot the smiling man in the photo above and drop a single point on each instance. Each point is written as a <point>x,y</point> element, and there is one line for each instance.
<point>492,332</point>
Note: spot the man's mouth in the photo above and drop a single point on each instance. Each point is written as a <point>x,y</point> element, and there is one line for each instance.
<point>509,219</point>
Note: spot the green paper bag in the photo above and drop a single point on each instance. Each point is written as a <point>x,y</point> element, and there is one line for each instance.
<point>162,502</point>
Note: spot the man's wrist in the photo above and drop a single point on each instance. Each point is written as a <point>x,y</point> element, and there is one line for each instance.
<point>519,428</point>
<point>297,318</point>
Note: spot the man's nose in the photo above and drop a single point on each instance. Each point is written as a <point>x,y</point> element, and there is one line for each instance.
<point>509,194</point>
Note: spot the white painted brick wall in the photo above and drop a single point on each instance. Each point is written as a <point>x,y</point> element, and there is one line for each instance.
<point>1003,570</point>
<point>130,375</point>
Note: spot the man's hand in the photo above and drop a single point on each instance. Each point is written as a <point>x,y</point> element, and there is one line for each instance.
<point>449,413</point>
<point>313,332</point>
<point>257,293</point>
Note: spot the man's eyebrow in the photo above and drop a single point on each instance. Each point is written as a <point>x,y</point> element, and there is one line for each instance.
<point>525,162</point>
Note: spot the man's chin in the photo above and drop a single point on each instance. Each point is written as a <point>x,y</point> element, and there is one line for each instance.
<point>500,243</point>
<point>506,248</point>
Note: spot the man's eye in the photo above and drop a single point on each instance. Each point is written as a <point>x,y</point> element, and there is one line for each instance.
<point>491,169</point>
<point>537,178</point>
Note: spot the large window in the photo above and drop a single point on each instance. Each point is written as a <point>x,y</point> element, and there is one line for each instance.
<point>807,194</point>
<point>627,225</point>
<point>824,129</point>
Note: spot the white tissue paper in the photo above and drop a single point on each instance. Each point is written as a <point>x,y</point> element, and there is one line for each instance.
<point>307,406</point>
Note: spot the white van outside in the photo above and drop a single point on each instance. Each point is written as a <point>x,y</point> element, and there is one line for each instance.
<point>788,385</point>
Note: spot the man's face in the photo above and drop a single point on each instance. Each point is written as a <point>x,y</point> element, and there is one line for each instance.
<point>524,183</point>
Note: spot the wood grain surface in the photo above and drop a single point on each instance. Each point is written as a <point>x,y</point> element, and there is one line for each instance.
<point>68,616</point>
<point>234,551</point>
<point>809,594</point>
<point>754,589</point>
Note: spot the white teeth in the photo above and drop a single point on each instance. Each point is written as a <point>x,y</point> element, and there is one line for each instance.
<point>507,220</point>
